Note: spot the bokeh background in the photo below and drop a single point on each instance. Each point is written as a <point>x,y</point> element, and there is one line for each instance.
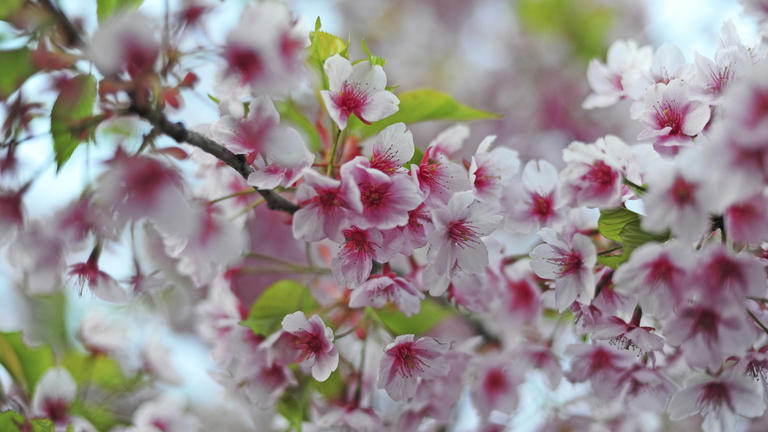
<point>523,59</point>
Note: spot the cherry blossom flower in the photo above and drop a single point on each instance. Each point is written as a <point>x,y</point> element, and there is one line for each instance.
<point>569,262</point>
<point>629,336</point>
<point>439,178</point>
<point>491,170</point>
<point>647,389</point>
<point>385,200</point>
<point>592,176</point>
<point>125,43</point>
<point>326,205</point>
<point>266,49</point>
<point>11,214</point>
<point>165,413</point>
<point>722,276</point>
<point>534,202</point>
<point>54,395</point>
<point>390,149</point>
<point>680,197</point>
<point>312,342</point>
<point>449,141</point>
<point>601,366</point>
<point>496,385</point>
<point>414,233</point>
<point>358,89</point>
<point>456,240</point>
<point>625,64</point>
<point>100,283</point>
<point>708,332</point>
<point>746,222</point>
<point>723,401</point>
<point>361,247</point>
<point>670,116</point>
<point>381,289</point>
<point>656,275</point>
<point>406,360</point>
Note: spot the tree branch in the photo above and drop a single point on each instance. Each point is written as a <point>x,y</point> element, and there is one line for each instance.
<point>181,134</point>
<point>69,30</point>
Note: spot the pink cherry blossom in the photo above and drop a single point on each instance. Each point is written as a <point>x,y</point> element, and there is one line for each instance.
<point>165,413</point>
<point>496,385</point>
<point>722,401</point>
<point>647,389</point>
<point>326,205</point>
<point>125,43</point>
<point>54,395</point>
<point>390,149</point>
<point>569,262</point>
<point>406,361</point>
<point>603,367</point>
<point>624,65</point>
<point>457,238</point>
<point>709,332</point>
<point>656,275</point>
<point>592,176</point>
<point>100,283</point>
<point>723,276</point>
<point>381,289</point>
<point>358,89</point>
<point>492,170</point>
<point>670,116</point>
<point>361,247</point>
<point>747,221</point>
<point>385,200</point>
<point>534,202</point>
<point>312,342</point>
<point>439,178</point>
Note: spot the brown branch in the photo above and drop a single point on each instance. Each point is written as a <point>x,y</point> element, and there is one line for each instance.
<point>177,130</point>
<point>181,134</point>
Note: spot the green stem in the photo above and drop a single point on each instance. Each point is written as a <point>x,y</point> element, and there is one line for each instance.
<point>761,325</point>
<point>233,195</point>
<point>332,159</point>
<point>639,189</point>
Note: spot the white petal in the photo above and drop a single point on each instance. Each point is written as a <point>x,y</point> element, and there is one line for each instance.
<point>337,69</point>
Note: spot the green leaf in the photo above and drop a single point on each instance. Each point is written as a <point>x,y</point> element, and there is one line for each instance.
<point>332,387</point>
<point>280,299</point>
<point>324,45</point>
<point>107,8</point>
<point>9,7</point>
<point>17,67</point>
<point>99,371</point>
<point>25,365</point>
<point>288,111</point>
<point>290,408</point>
<point>611,222</point>
<point>632,237</point>
<point>100,416</point>
<point>430,314</point>
<point>374,60</point>
<point>11,421</point>
<point>421,105</point>
<point>72,117</point>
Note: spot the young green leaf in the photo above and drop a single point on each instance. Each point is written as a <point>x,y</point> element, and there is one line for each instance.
<point>17,67</point>
<point>71,117</point>
<point>280,299</point>
<point>99,371</point>
<point>25,365</point>
<point>421,105</point>
<point>324,45</point>
<point>9,7</point>
<point>11,421</point>
<point>430,314</point>
<point>107,8</point>
<point>374,60</point>
<point>611,222</point>
<point>631,237</point>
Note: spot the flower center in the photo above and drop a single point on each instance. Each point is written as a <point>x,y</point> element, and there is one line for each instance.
<point>682,192</point>
<point>461,233</point>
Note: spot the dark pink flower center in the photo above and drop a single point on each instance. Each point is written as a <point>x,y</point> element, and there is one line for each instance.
<point>495,382</point>
<point>374,197</point>
<point>385,161</point>
<point>328,198</point>
<point>310,344</point>
<point>725,272</point>
<point>357,240</point>
<point>705,322</point>
<point>462,233</point>
<point>56,410</point>
<point>406,359</point>
<point>682,192</point>
<point>570,263</point>
<point>10,208</point>
<point>661,271</point>
<point>670,114</point>
<point>351,100</point>
<point>541,206</point>
<point>252,133</point>
<point>714,395</point>
<point>244,61</point>
<point>161,425</point>
<point>601,174</point>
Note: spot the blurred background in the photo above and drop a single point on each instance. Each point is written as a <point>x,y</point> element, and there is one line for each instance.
<point>523,59</point>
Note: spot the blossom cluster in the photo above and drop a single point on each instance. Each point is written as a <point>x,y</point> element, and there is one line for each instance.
<point>346,273</point>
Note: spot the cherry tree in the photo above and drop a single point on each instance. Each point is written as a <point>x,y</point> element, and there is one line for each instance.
<point>342,269</point>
